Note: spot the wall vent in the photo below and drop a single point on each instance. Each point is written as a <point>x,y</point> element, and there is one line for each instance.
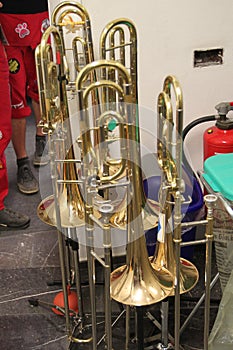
<point>205,58</point>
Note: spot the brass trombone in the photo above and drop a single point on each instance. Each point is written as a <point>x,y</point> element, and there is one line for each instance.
<point>74,17</point>
<point>169,159</point>
<point>93,156</point>
<point>169,151</point>
<point>137,282</point>
<point>118,42</point>
<point>71,201</point>
<point>55,111</point>
<point>169,238</point>
<point>67,206</point>
<point>140,281</point>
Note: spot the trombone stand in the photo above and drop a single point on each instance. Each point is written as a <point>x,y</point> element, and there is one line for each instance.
<point>164,345</point>
<point>139,327</point>
<point>105,209</point>
<point>78,331</point>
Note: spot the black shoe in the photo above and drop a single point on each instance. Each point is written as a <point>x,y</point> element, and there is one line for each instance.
<point>41,156</point>
<point>12,220</point>
<point>26,181</point>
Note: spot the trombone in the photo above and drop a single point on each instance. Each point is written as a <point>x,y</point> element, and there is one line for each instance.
<point>118,42</point>
<point>93,180</point>
<point>167,251</point>
<point>169,159</point>
<point>169,238</point>
<point>74,17</point>
<point>67,202</point>
<point>138,282</point>
<point>55,114</point>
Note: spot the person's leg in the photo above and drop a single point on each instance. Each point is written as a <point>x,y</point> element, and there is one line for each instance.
<point>19,137</point>
<point>41,154</point>
<point>5,123</point>
<point>9,219</point>
<point>37,114</point>
<point>26,181</point>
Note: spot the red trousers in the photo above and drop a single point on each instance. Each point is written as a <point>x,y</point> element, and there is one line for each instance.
<point>5,122</point>
<point>23,80</point>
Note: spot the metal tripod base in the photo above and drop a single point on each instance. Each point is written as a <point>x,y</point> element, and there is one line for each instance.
<point>160,346</point>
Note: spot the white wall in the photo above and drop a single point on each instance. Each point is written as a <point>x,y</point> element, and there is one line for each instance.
<point>168,33</point>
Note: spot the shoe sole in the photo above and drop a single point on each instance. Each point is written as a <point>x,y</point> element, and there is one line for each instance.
<point>41,161</point>
<point>27,191</point>
<point>35,163</point>
<point>14,228</point>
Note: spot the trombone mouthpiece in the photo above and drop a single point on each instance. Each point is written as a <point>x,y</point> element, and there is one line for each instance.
<point>210,201</point>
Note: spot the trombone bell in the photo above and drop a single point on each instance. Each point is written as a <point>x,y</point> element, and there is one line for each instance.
<point>140,283</point>
<point>164,257</point>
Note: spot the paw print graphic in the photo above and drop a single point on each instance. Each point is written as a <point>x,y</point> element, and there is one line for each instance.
<point>44,25</point>
<point>22,30</point>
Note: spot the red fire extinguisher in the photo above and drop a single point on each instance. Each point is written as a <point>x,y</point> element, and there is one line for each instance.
<point>216,139</point>
<point>219,138</point>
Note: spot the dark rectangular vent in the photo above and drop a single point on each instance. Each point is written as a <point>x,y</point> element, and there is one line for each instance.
<point>205,58</point>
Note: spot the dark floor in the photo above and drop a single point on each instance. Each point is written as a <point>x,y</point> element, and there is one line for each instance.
<point>29,262</point>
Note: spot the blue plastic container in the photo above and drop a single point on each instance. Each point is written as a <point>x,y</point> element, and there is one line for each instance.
<point>190,212</point>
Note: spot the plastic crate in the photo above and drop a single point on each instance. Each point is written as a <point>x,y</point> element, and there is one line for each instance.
<point>190,212</point>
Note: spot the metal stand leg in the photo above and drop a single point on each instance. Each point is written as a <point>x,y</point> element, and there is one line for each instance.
<point>140,327</point>
<point>165,345</point>
<point>200,301</point>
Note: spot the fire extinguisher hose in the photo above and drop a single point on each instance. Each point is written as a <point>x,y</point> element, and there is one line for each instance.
<point>207,118</point>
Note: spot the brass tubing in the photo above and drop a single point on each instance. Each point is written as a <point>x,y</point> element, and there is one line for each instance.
<point>89,229</point>
<point>137,283</point>
<point>118,35</point>
<point>83,94</point>
<point>108,33</point>
<point>121,123</point>
<point>106,210</point>
<point>88,152</point>
<point>52,72</point>
<point>60,239</point>
<point>177,240</point>
<point>41,86</point>
<point>65,10</point>
<point>172,82</point>
<point>169,150</point>
<point>210,202</point>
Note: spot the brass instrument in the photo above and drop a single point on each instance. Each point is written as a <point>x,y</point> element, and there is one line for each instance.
<point>143,285</point>
<point>56,115</point>
<point>74,17</point>
<point>169,151</point>
<point>118,42</point>
<point>67,206</point>
<point>56,85</point>
<point>140,281</point>
<point>169,148</point>
<point>171,183</point>
<point>93,134</point>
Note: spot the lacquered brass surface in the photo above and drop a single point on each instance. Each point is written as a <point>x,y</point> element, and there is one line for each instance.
<point>169,158</point>
<point>55,113</point>
<point>164,257</point>
<point>140,283</point>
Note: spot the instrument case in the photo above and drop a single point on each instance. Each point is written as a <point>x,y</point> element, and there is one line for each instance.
<point>218,173</point>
